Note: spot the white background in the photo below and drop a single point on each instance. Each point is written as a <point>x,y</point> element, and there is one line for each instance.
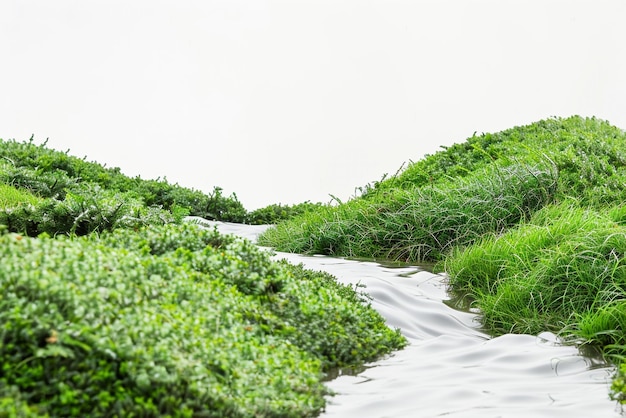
<point>287,101</point>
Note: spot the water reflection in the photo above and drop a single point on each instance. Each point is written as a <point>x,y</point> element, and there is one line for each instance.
<point>451,367</point>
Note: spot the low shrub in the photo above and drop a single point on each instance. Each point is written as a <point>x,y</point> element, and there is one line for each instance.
<point>51,174</point>
<point>88,208</point>
<point>273,214</point>
<point>43,184</point>
<point>172,321</point>
<point>353,333</point>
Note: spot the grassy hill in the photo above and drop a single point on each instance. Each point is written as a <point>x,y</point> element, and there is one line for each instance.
<point>528,224</point>
<point>451,198</point>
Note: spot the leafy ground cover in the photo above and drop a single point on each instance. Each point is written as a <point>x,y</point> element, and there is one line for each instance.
<point>528,224</point>
<point>172,320</point>
<point>52,174</point>
<point>112,306</point>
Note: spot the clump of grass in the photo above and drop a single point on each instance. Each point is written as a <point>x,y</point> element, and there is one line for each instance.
<point>606,327</point>
<point>563,271</point>
<point>567,260</point>
<point>11,197</point>
<point>420,224</point>
<point>589,154</point>
<point>453,197</point>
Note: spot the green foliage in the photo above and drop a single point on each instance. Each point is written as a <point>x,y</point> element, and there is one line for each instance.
<point>172,321</point>
<point>564,271</point>
<point>43,184</point>
<point>223,209</point>
<point>421,223</point>
<point>606,327</point>
<point>564,262</point>
<point>87,208</point>
<point>451,198</point>
<point>50,173</point>
<point>12,404</point>
<point>618,387</point>
<point>273,214</point>
<point>484,209</point>
<point>589,154</point>
<point>353,333</point>
<point>12,197</point>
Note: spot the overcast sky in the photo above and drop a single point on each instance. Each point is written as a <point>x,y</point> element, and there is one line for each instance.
<point>287,101</point>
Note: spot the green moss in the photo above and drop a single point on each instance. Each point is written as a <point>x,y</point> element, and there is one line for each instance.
<point>173,320</point>
<point>11,197</point>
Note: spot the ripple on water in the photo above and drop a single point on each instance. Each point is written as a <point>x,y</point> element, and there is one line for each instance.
<point>451,368</point>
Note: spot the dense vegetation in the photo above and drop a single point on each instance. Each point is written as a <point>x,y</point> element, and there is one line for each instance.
<point>52,175</point>
<point>528,223</point>
<point>420,224</point>
<point>447,199</point>
<point>112,306</point>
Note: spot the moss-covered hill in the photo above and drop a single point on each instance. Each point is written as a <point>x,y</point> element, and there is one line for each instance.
<point>111,306</point>
<point>67,185</point>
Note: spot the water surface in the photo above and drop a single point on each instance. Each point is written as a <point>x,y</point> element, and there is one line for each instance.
<point>451,367</point>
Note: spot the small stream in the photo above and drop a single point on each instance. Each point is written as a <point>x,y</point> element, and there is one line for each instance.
<point>450,367</point>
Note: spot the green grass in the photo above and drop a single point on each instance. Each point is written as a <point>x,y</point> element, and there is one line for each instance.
<point>11,197</point>
<point>483,185</point>
<point>543,274</point>
<point>528,223</point>
<point>589,154</point>
<point>563,271</point>
<point>420,224</point>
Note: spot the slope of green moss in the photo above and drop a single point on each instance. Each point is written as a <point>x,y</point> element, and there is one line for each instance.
<point>172,321</point>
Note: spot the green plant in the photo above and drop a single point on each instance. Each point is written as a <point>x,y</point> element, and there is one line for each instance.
<point>11,197</point>
<point>88,208</point>
<point>273,214</point>
<point>172,320</point>
<point>51,174</point>
<point>539,276</point>
<point>420,224</point>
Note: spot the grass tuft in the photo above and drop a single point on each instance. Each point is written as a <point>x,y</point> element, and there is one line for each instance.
<point>420,224</point>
